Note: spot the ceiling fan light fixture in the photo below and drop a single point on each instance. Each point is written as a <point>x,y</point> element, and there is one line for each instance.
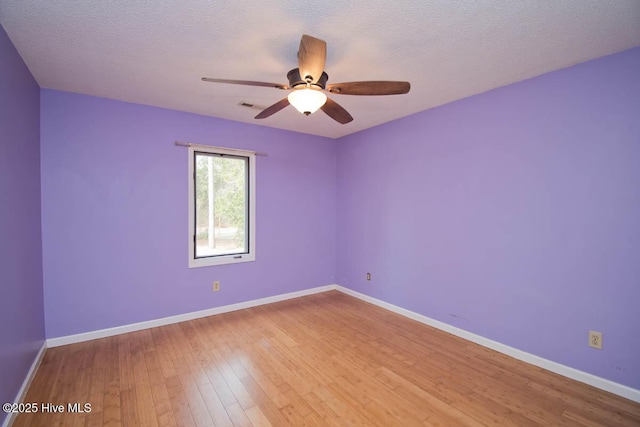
<point>306,100</point>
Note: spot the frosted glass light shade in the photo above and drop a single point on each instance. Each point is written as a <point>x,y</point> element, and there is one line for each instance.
<point>307,101</point>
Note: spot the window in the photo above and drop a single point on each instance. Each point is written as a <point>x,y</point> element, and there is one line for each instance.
<point>221,206</point>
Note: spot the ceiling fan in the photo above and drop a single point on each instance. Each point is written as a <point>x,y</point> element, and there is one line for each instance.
<point>308,82</point>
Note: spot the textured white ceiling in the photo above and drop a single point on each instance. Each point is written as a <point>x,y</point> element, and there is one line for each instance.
<point>155,51</point>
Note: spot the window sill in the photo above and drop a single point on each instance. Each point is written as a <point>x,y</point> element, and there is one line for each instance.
<point>221,260</point>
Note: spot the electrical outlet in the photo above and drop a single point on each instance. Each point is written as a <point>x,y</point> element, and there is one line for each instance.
<point>368,276</point>
<point>595,339</point>
<point>216,286</point>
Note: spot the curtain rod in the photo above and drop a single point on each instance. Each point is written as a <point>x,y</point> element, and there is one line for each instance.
<point>191,144</point>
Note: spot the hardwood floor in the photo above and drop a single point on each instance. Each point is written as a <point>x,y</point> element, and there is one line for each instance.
<point>322,360</point>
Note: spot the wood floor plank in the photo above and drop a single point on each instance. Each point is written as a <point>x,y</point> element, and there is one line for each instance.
<point>257,417</point>
<point>77,384</point>
<point>215,406</point>
<point>179,402</point>
<point>97,388</point>
<point>208,364</point>
<point>192,395</point>
<point>323,360</point>
<point>128,403</point>
<point>159,393</point>
<point>144,398</point>
<point>111,411</point>
<point>275,417</point>
<point>238,416</point>
<point>165,352</point>
<point>320,407</point>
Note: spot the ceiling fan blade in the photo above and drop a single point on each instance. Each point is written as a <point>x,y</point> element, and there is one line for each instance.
<point>336,112</point>
<point>245,82</point>
<point>370,88</point>
<point>311,57</point>
<point>273,109</point>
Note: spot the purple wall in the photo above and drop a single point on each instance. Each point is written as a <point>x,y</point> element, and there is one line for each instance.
<point>21,302</point>
<point>114,206</point>
<point>514,214</point>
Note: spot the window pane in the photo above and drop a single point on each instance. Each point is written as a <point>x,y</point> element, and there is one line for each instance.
<point>221,205</point>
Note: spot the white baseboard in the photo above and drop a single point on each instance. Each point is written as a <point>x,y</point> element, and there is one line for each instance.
<point>22,393</point>
<point>584,377</point>
<point>102,333</point>
<point>566,371</point>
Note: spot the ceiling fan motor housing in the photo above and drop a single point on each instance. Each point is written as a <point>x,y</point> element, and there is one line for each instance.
<point>296,80</point>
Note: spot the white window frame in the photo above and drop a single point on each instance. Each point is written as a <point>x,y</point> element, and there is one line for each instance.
<point>251,211</point>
